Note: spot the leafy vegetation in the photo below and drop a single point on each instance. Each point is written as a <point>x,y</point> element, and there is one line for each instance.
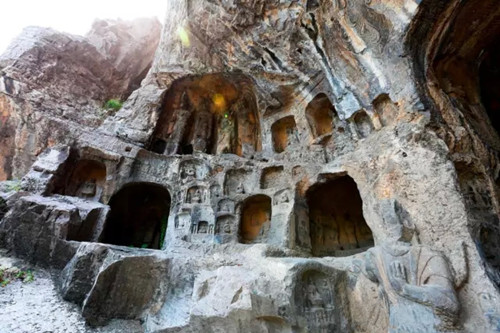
<point>114,104</point>
<point>8,275</point>
<point>14,185</point>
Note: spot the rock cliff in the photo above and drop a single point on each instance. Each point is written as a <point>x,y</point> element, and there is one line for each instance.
<point>285,166</point>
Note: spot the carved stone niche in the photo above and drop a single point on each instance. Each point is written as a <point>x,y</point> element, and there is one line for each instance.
<point>86,179</point>
<point>284,133</point>
<point>321,302</point>
<point>225,207</point>
<point>282,197</point>
<point>237,181</point>
<point>272,177</point>
<point>255,219</point>
<point>193,169</point>
<point>212,113</point>
<point>385,109</point>
<point>319,115</point>
<point>202,222</point>
<point>196,195</point>
<point>215,192</point>
<point>363,122</point>
<point>183,220</point>
<point>336,223</point>
<point>226,229</point>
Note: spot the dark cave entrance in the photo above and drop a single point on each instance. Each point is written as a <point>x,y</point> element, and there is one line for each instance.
<point>489,81</point>
<point>138,217</point>
<point>336,223</point>
<point>255,220</point>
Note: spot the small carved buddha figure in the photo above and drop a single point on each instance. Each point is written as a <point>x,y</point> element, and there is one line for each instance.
<point>196,196</point>
<point>225,208</point>
<point>415,280</point>
<point>189,174</point>
<point>314,299</point>
<point>88,189</point>
<point>240,189</point>
<point>202,227</point>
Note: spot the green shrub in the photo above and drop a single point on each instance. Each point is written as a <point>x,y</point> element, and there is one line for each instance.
<point>14,185</point>
<point>12,274</point>
<point>114,104</point>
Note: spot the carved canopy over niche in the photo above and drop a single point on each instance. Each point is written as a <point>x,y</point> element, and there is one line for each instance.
<point>212,113</point>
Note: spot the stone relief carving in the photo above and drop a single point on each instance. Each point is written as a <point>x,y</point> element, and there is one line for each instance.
<point>282,197</point>
<point>182,220</point>
<point>195,195</point>
<point>318,301</point>
<point>415,280</point>
<point>226,206</point>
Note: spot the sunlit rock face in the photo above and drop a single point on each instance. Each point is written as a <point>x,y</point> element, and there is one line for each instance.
<point>286,166</point>
<point>54,85</point>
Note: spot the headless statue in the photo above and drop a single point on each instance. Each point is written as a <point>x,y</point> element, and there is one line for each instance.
<point>415,280</point>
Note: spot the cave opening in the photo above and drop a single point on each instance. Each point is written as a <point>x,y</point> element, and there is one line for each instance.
<point>138,217</point>
<point>255,220</point>
<point>336,223</point>
<point>489,81</point>
<point>86,180</point>
<point>284,133</point>
<point>212,114</point>
<point>319,115</point>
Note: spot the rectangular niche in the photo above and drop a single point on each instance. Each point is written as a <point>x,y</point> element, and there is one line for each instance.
<point>272,177</point>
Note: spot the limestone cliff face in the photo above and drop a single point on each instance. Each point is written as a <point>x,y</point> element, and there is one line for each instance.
<point>54,85</point>
<point>285,166</point>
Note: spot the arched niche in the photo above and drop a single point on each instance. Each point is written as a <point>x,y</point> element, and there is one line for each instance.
<point>284,133</point>
<point>86,180</point>
<point>336,223</point>
<point>255,219</point>
<point>319,115</point>
<point>363,122</point>
<point>212,113</point>
<point>138,217</point>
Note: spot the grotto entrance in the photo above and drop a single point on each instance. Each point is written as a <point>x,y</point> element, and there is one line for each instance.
<point>212,113</point>
<point>255,220</point>
<point>138,217</point>
<point>336,223</point>
<point>489,81</point>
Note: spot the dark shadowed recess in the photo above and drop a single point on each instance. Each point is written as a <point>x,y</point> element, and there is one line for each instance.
<point>138,217</point>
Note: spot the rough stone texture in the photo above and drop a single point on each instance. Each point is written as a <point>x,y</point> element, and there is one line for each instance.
<point>255,119</point>
<point>54,85</point>
<point>129,45</point>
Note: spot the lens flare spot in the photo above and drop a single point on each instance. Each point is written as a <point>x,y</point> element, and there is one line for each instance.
<point>219,102</point>
<point>183,35</point>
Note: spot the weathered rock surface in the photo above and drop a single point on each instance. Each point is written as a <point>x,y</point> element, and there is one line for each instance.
<point>129,45</point>
<point>54,85</point>
<point>286,166</point>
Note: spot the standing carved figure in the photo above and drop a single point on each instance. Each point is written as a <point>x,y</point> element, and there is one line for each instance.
<point>415,280</point>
